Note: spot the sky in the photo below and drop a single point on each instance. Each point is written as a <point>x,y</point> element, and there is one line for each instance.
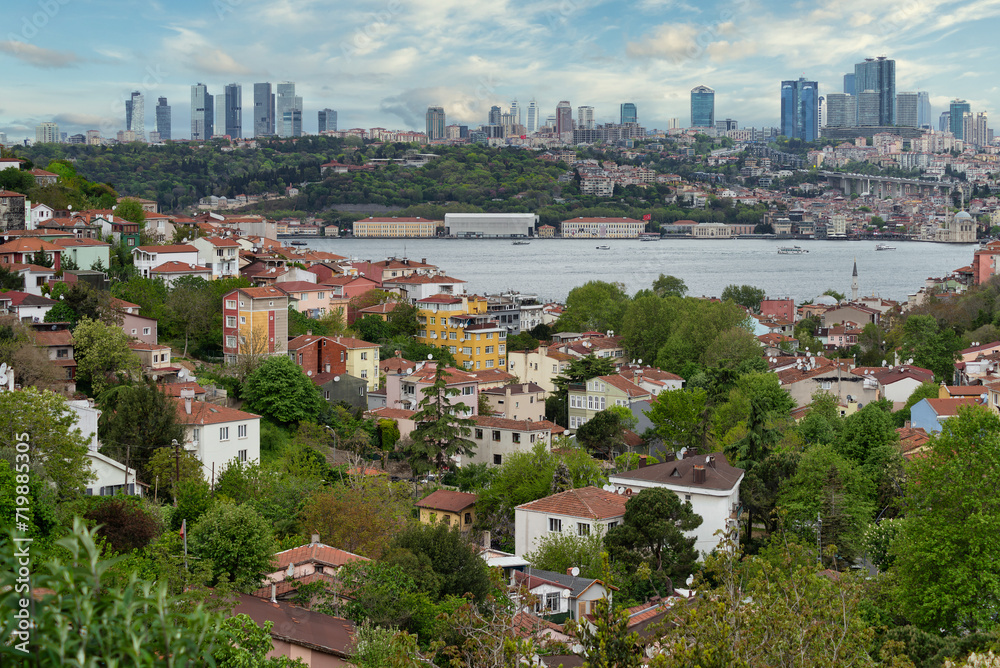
<point>381,63</point>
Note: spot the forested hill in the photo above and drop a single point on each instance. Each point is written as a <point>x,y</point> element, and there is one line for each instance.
<point>464,178</point>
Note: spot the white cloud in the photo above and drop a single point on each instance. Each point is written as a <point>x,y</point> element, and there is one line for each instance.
<point>38,56</point>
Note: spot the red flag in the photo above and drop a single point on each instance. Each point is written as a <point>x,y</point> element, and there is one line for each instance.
<point>648,216</point>
<point>183,527</point>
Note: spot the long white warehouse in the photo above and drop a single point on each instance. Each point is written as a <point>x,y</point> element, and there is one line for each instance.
<point>490,224</point>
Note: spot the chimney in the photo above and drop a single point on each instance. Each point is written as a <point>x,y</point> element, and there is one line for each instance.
<point>670,456</point>
<point>699,475</point>
<point>274,593</point>
<point>315,539</point>
<point>487,540</point>
<point>524,388</point>
<point>187,395</point>
<point>710,460</point>
<point>569,571</point>
<point>642,462</point>
<point>309,332</point>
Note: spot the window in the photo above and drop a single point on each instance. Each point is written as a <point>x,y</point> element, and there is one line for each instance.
<point>468,518</point>
<point>320,295</point>
<point>230,321</point>
<point>555,526</point>
<point>496,434</point>
<point>145,331</point>
<point>552,602</point>
<point>242,454</point>
<point>497,460</point>
<point>134,330</point>
<point>489,364</point>
<point>582,529</point>
<point>489,350</point>
<point>243,320</point>
<point>452,349</point>
<point>156,358</point>
<point>230,303</point>
<point>612,525</point>
<point>364,373</point>
<point>433,320</point>
<point>231,342</point>
<point>223,433</point>
<point>452,335</point>
<point>516,437</point>
<point>826,385</point>
<point>479,434</point>
<point>466,350</point>
<point>195,435</point>
<point>62,353</point>
<point>687,497</point>
<point>364,356</point>
<point>553,368</point>
<point>326,395</point>
<point>468,390</point>
<point>241,431</point>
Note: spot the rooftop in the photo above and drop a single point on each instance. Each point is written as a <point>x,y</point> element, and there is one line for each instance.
<point>586,502</point>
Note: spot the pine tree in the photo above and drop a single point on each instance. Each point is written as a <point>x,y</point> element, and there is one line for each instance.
<point>441,431</point>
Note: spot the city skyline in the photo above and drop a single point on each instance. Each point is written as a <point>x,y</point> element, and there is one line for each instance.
<point>371,65</point>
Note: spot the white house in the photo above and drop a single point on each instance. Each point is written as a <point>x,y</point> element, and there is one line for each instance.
<point>220,255</point>
<point>40,213</point>
<point>898,383</point>
<point>217,434</point>
<point>35,276</point>
<point>496,438</point>
<point>707,481</point>
<point>110,476</point>
<point>149,257</point>
<point>562,593</point>
<point>27,307</point>
<point>576,512</point>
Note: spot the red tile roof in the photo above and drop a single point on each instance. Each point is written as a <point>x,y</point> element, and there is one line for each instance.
<point>513,425</point>
<point>586,502</point>
<point>204,413</point>
<point>175,248</point>
<point>351,343</point>
<point>949,407</point>
<point>448,501</point>
<point>316,553</point>
<point>174,267</point>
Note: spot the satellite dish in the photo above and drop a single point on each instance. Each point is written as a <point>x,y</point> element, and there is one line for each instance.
<point>640,360</point>
<point>575,571</point>
<point>430,356</point>
<point>409,371</point>
<point>336,379</point>
<point>565,593</point>
<point>620,490</point>
<point>690,580</point>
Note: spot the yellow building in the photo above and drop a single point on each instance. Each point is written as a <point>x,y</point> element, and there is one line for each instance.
<point>255,322</point>
<point>455,509</point>
<point>461,325</point>
<point>360,357</point>
<point>396,227</point>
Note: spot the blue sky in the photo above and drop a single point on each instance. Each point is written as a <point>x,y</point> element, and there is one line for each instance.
<point>382,63</point>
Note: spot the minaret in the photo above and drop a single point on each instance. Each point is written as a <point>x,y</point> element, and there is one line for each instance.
<point>854,282</point>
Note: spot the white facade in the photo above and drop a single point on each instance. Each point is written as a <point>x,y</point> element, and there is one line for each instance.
<point>217,435</point>
<point>40,213</point>
<point>715,506</point>
<point>490,224</point>
<point>221,256</point>
<point>497,438</point>
<point>149,257</point>
<point>110,477</point>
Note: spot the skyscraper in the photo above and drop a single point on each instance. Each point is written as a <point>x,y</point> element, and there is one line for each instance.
<point>496,116</point>
<point>234,111</point>
<point>629,113</point>
<point>219,125</point>
<point>435,123</point>
<point>47,133</point>
<point>924,109</point>
<point>800,109</point>
<point>907,110</point>
<point>849,86</point>
<point>585,118</point>
<point>702,107</point>
<point>263,110</point>
<point>869,108</point>
<point>564,117</point>
<point>944,121</point>
<point>135,114</point>
<point>327,120</point>
<point>163,119</point>
<point>532,117</point>
<point>878,75</point>
<point>515,113</point>
<point>956,120</point>
<point>841,110</point>
<point>288,111</point>
<point>202,113</point>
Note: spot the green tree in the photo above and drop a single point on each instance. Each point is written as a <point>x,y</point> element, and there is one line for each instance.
<point>131,210</point>
<point>442,431</point>
<point>594,306</point>
<point>669,286</point>
<point>136,421</point>
<point>383,593</point>
<point>124,522</point>
<point>648,323</point>
<point>924,391</point>
<point>192,307</point>
<point>450,555</point>
<point>732,348</point>
<point>103,356</point>
<point>57,451</point>
<point>829,487</point>
<point>930,346</point>
<point>558,552</point>
<point>238,541</point>
<point>604,434</point>
<point>249,646</point>
<point>607,643</point>
<point>744,295</point>
<point>680,418</point>
<point>652,532</point>
<point>946,554</point>
<point>137,624</point>
<point>280,391</point>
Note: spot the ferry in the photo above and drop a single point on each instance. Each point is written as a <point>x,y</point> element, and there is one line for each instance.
<point>298,243</point>
<point>520,243</point>
<point>882,247</point>
<point>791,250</point>
<point>605,247</point>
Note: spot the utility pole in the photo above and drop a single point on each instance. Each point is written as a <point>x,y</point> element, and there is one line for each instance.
<point>177,459</point>
<point>128,449</point>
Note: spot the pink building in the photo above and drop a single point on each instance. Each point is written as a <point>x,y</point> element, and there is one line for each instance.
<point>404,390</point>
<point>783,309</point>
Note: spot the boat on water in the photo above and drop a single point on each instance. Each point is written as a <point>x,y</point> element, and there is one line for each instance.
<point>649,237</point>
<point>881,247</point>
<point>604,247</point>
<point>791,250</point>
<point>520,243</point>
<point>298,243</point>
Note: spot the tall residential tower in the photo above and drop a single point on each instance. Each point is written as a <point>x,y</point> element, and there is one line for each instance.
<point>702,107</point>
<point>163,119</point>
<point>202,113</point>
<point>800,109</point>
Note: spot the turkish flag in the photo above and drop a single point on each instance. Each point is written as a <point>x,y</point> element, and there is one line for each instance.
<point>648,216</point>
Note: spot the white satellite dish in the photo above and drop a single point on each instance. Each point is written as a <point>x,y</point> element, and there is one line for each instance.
<point>336,379</point>
<point>620,490</point>
<point>575,571</point>
<point>565,593</point>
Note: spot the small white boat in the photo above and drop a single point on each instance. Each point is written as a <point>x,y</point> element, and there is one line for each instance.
<point>605,247</point>
<point>521,243</point>
<point>881,247</point>
<point>791,250</point>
